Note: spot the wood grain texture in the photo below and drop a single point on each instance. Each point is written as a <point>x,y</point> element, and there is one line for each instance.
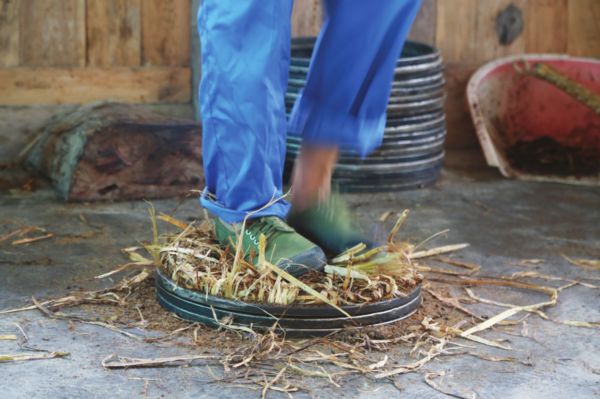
<point>423,29</point>
<point>488,45</point>
<point>52,33</point>
<point>24,86</point>
<point>584,28</point>
<point>166,32</point>
<point>307,17</point>
<point>456,29</point>
<point>9,33</point>
<point>459,125</point>
<point>113,32</point>
<point>546,26</point>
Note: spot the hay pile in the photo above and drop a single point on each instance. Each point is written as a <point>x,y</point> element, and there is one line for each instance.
<point>193,259</point>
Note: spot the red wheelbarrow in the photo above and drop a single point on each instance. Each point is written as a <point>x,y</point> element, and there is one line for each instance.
<point>522,120</point>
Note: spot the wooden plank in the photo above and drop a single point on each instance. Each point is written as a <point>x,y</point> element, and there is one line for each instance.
<point>52,33</point>
<point>488,43</point>
<point>166,32</point>
<point>546,26</point>
<point>423,30</point>
<point>584,28</point>
<point>25,86</point>
<point>460,128</point>
<point>9,33</point>
<point>307,17</point>
<point>113,33</point>
<point>456,29</point>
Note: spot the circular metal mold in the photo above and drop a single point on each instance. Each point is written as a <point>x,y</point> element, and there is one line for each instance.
<point>398,168</point>
<point>409,91</point>
<point>393,177</point>
<point>397,139</point>
<point>431,130</point>
<point>388,153</point>
<point>414,124</point>
<point>412,52</point>
<point>418,96</point>
<point>263,309</point>
<point>284,322</point>
<point>389,184</point>
<point>302,320</point>
<point>406,69</point>
<point>436,78</point>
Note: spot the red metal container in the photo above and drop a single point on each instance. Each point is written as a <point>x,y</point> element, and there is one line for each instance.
<point>508,105</point>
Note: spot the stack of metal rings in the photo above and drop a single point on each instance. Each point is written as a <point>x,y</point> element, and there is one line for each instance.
<point>412,151</point>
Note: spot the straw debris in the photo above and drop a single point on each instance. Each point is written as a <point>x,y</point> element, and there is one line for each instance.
<point>268,362</point>
<point>193,259</point>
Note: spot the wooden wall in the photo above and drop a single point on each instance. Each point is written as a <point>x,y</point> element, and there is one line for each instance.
<point>57,52</point>
<point>74,51</point>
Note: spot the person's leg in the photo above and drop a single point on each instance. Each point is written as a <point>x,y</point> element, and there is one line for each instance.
<point>343,107</point>
<point>245,60</point>
<point>345,98</point>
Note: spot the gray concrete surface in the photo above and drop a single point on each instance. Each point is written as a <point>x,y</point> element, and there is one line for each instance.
<point>504,221</point>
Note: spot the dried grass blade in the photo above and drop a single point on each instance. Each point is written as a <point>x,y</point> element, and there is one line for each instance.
<point>429,380</point>
<point>437,251</point>
<point>349,253</point>
<point>33,239</point>
<point>120,362</point>
<point>37,356</point>
<point>171,220</point>
<point>592,264</point>
<point>396,228</point>
<point>576,323</point>
<point>294,281</point>
<point>343,271</point>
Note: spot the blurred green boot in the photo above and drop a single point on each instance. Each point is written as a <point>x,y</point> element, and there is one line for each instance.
<point>329,225</point>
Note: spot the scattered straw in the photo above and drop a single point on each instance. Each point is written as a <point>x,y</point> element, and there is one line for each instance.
<point>195,261</point>
<point>592,264</point>
<point>270,362</point>
<point>37,356</point>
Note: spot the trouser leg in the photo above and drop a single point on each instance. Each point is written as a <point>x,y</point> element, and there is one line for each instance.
<point>245,61</point>
<point>352,68</point>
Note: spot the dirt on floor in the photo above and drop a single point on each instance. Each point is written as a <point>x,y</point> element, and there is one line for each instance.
<point>142,310</point>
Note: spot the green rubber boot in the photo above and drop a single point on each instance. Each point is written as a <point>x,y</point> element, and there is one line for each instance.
<point>285,247</point>
<point>329,225</point>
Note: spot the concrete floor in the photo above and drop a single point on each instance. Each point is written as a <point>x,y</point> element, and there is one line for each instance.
<point>504,221</point>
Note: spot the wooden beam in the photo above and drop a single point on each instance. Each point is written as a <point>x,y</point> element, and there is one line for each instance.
<point>9,33</point>
<point>26,86</point>
<point>52,33</point>
<point>423,30</point>
<point>166,32</point>
<point>113,33</point>
<point>546,26</point>
<point>584,28</point>
<point>307,17</point>
<point>456,29</point>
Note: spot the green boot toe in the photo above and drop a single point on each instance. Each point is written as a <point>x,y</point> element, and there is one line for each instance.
<point>285,247</point>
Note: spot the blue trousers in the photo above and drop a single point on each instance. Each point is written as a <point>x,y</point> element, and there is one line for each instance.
<point>245,51</point>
